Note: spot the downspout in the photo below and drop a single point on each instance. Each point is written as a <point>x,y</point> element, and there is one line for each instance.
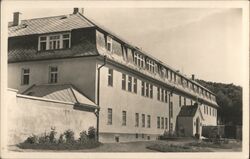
<point>98,98</point>
<point>170,94</point>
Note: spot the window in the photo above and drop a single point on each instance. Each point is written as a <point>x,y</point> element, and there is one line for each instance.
<point>54,42</point>
<point>162,122</point>
<point>136,136</point>
<point>149,121</point>
<point>151,91</point>
<point>147,89</point>
<point>184,101</point>
<point>171,109</point>
<point>179,101</point>
<point>135,85</point>
<point>142,88</point>
<point>158,122</point>
<point>42,43</point>
<point>191,102</point>
<point>124,118</point>
<point>209,110</point>
<point>110,77</point>
<point>150,65</point>
<point>174,77</point>
<point>166,123</point>
<point>139,60</point>
<point>109,44</point>
<point>129,83</point>
<point>158,93</point>
<point>123,81</point>
<point>66,41</point>
<point>25,76</point>
<point>166,96</point>
<point>162,94</point>
<point>136,119</point>
<point>204,109</point>
<point>109,116</point>
<point>143,120</point>
<point>53,71</point>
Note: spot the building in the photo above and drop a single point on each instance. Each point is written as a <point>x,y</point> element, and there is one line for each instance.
<point>139,96</point>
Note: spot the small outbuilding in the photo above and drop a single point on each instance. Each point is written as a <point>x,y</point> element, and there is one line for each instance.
<point>189,121</point>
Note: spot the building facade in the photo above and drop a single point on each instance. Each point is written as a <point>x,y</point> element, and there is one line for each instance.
<point>139,96</point>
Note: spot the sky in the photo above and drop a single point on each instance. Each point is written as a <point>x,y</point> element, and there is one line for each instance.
<point>205,42</point>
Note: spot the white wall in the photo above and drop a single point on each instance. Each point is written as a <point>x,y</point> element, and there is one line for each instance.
<point>30,115</point>
<point>81,72</point>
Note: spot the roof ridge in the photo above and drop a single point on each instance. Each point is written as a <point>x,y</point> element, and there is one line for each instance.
<point>48,17</point>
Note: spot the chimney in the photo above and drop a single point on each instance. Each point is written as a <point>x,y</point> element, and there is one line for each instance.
<point>76,10</point>
<point>16,18</point>
<point>193,77</point>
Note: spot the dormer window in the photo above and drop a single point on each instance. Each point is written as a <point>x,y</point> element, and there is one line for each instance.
<point>139,60</point>
<point>150,65</point>
<point>55,41</point>
<point>109,44</point>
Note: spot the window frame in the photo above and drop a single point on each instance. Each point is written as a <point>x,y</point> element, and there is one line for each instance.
<point>25,74</point>
<point>143,118</point>
<point>124,118</point>
<point>110,77</point>
<point>123,81</point>
<point>54,73</point>
<point>110,116</point>
<point>48,40</point>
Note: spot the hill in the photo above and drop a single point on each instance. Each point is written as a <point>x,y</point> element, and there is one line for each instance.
<point>229,98</point>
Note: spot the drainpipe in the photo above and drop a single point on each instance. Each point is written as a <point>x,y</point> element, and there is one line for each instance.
<point>170,94</point>
<point>98,98</point>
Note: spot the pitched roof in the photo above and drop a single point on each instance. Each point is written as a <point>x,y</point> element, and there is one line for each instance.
<point>61,92</point>
<point>188,111</point>
<point>49,25</point>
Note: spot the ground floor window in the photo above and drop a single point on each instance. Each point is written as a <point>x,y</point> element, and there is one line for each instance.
<point>158,122</point>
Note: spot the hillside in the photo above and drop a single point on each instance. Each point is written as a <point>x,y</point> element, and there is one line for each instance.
<point>229,98</point>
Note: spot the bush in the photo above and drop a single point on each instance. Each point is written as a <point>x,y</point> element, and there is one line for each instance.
<point>91,132</point>
<point>83,137</point>
<point>32,139</point>
<point>52,134</point>
<point>61,139</point>
<point>44,138</point>
<point>69,136</point>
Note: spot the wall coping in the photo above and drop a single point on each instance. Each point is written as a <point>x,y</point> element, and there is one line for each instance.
<point>44,99</point>
<point>11,89</point>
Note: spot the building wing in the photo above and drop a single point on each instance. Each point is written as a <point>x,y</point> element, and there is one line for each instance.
<point>61,92</point>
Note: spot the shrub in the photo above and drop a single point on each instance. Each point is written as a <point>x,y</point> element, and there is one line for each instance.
<point>83,137</point>
<point>52,134</point>
<point>32,139</point>
<point>44,138</point>
<point>61,139</point>
<point>69,136</point>
<point>91,132</point>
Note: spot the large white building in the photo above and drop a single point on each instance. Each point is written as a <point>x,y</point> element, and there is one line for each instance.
<point>139,96</point>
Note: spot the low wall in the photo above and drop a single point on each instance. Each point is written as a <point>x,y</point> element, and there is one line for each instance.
<point>31,115</point>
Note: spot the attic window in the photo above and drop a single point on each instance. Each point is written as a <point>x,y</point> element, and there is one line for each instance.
<point>54,41</point>
<point>109,44</point>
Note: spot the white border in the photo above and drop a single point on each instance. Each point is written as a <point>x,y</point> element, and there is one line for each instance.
<point>122,4</point>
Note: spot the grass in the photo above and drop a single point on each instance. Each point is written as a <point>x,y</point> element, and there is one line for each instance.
<point>215,145</point>
<point>171,148</point>
<point>194,146</point>
<point>60,146</point>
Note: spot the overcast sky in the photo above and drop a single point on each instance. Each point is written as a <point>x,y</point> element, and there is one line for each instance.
<point>204,42</point>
